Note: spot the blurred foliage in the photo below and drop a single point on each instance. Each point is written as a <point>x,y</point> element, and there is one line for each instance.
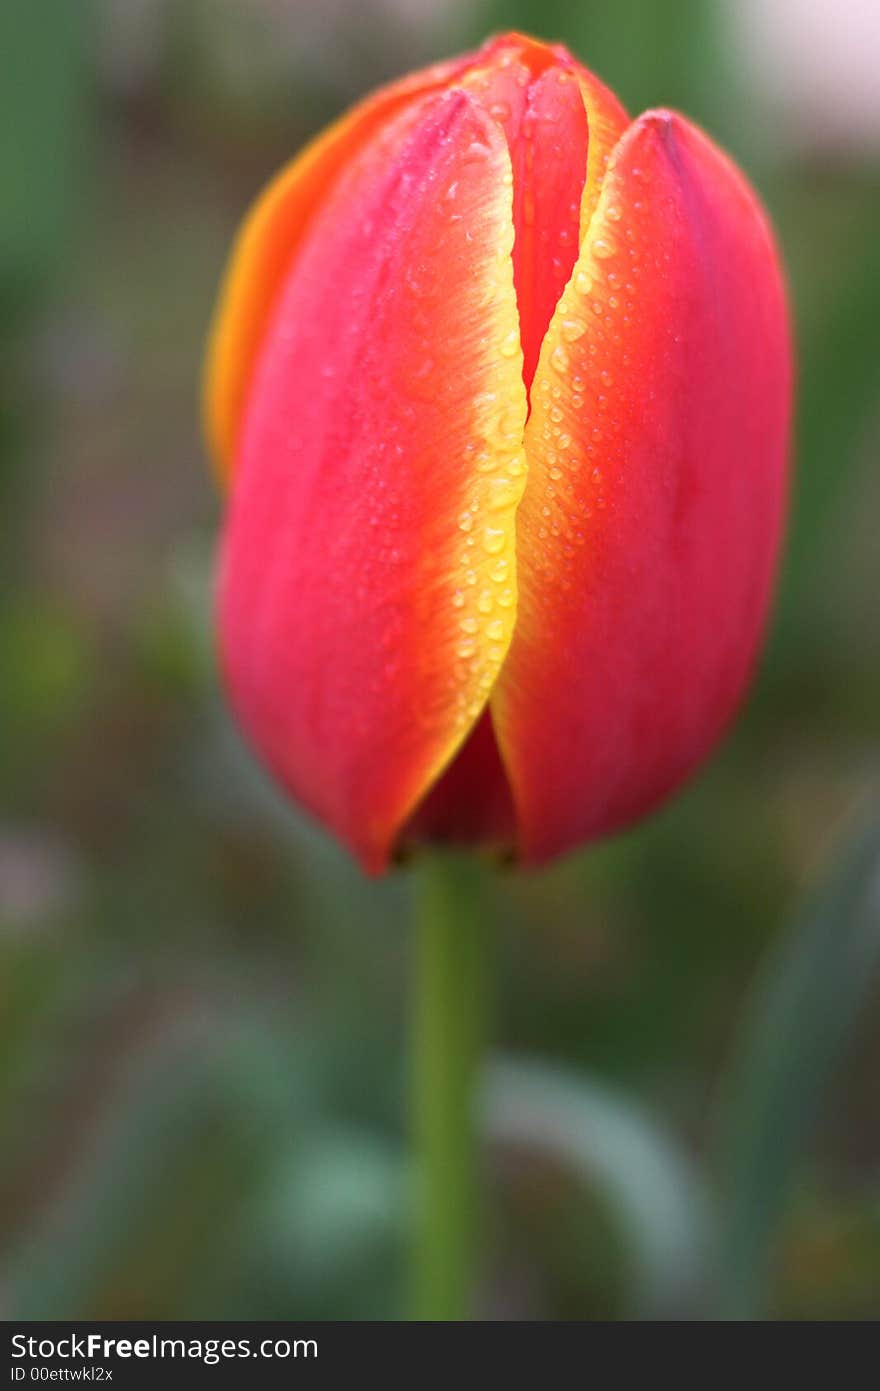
<point>801,1016</point>
<point>203,1004</point>
<point>43,112</point>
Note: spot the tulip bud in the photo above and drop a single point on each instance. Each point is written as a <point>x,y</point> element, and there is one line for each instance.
<point>499,382</point>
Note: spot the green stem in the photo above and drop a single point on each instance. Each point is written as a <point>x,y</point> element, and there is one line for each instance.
<point>449,1028</point>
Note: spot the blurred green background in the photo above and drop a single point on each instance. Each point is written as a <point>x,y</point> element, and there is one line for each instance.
<point>204,1006</point>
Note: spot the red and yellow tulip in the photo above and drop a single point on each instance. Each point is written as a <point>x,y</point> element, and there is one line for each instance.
<point>499,383</point>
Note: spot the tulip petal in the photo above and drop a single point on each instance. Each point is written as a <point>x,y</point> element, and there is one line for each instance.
<point>368,581</point>
<point>549,150</point>
<point>606,121</point>
<point>561,124</point>
<point>544,100</point>
<point>647,536</point>
<point>471,803</point>
<point>268,241</point>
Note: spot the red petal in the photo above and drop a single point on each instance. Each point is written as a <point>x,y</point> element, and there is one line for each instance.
<point>549,151</point>
<point>539,104</point>
<point>648,534</point>
<point>471,803</point>
<point>561,124</point>
<point>270,238</point>
<point>367,590</point>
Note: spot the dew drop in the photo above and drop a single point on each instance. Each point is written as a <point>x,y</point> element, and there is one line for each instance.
<point>466,648</point>
<point>510,344</point>
<point>465,521</point>
<point>476,150</point>
<point>501,494</point>
<point>572,330</point>
<point>493,540</point>
<point>559,358</point>
<point>499,571</point>
<point>485,601</point>
<point>495,630</point>
<point>606,378</point>
<point>469,625</point>
<point>602,248</point>
<point>582,283</point>
<point>510,424</point>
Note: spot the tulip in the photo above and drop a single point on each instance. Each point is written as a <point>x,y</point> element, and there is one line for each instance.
<point>499,385</point>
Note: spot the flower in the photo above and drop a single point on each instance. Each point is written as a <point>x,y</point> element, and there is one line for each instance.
<point>499,380</point>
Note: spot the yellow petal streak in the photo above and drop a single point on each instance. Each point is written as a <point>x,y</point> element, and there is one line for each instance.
<point>606,122</point>
<point>481,589</point>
